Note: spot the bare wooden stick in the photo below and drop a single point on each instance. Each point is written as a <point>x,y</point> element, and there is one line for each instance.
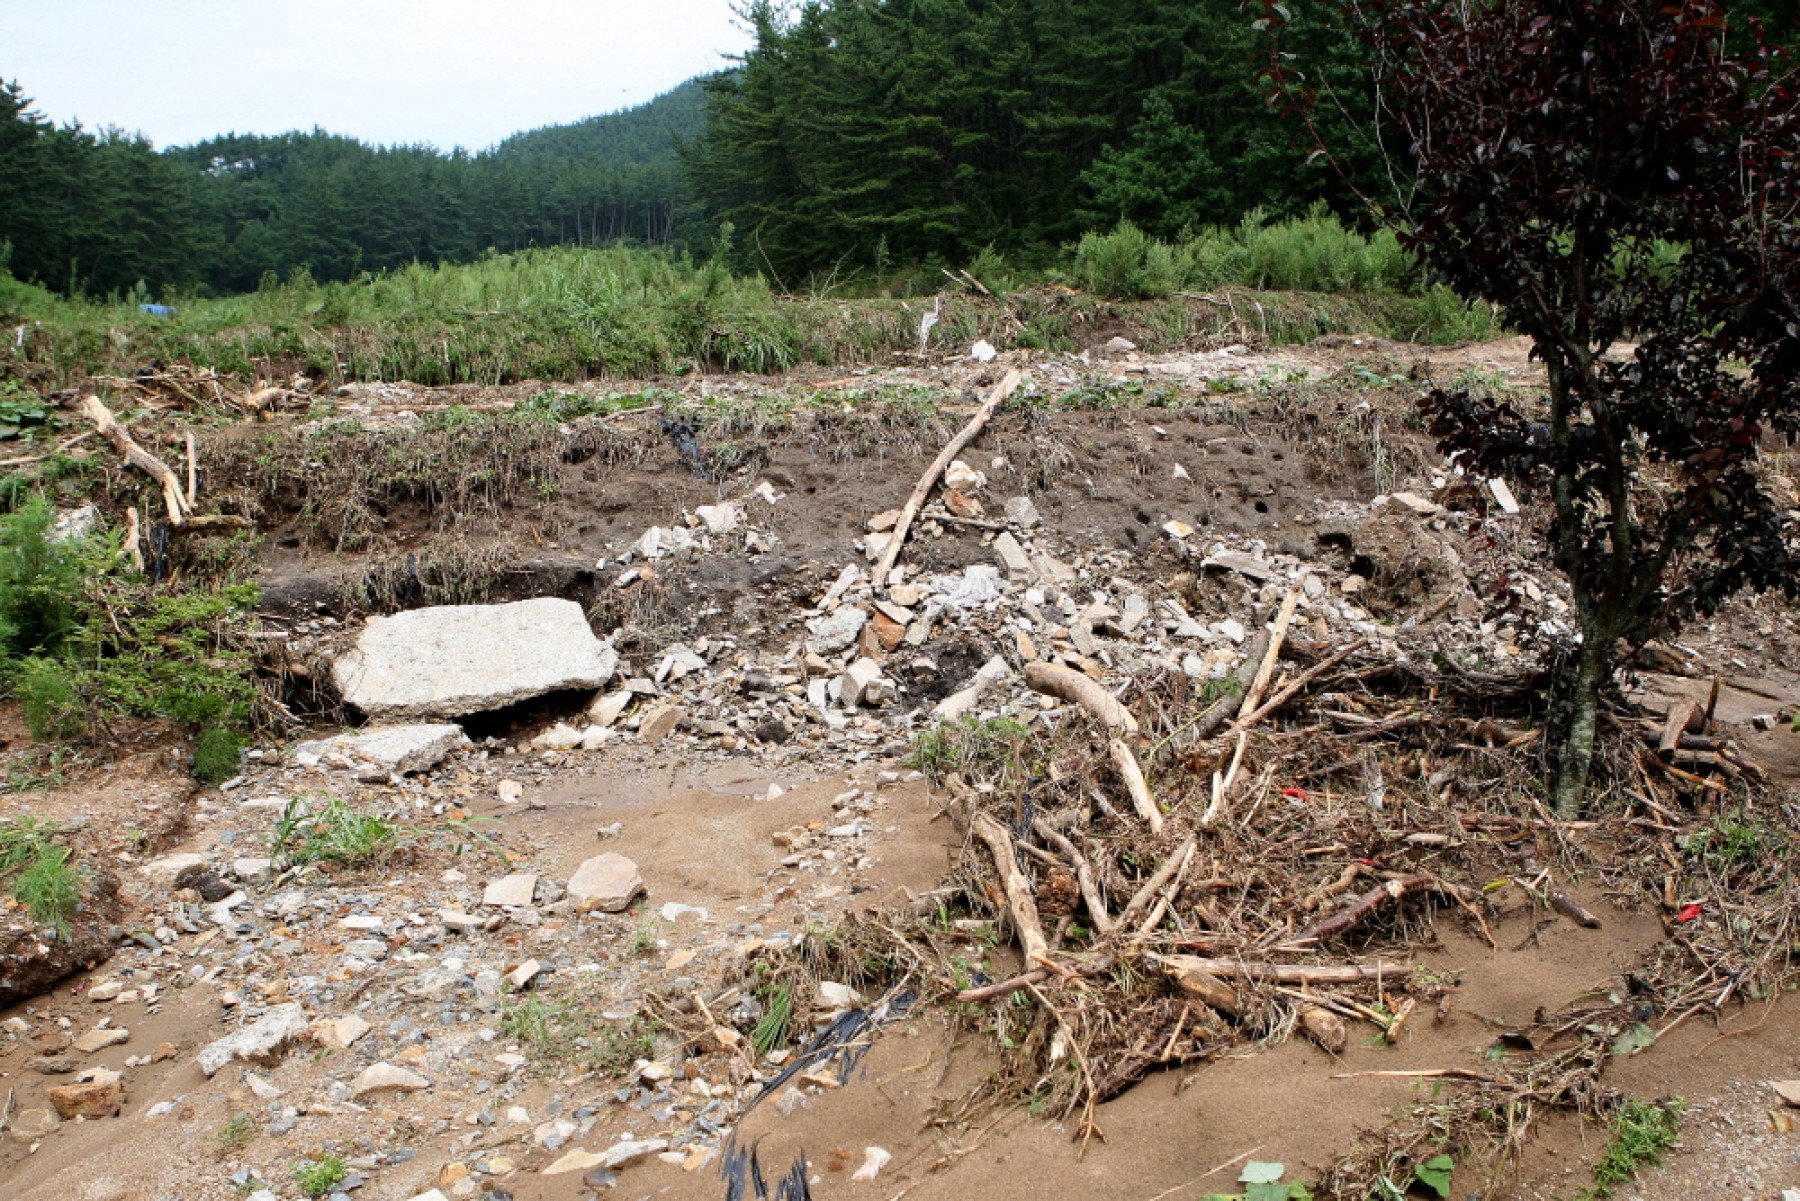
<point>1292,689</point>
<point>1682,716</point>
<point>1280,973</point>
<point>136,456</point>
<point>1277,636</point>
<point>1426,1074</point>
<point>1135,784</point>
<point>1561,901</point>
<point>193,474</point>
<point>1065,683</point>
<point>1001,988</point>
<point>134,539</point>
<point>1140,901</point>
<point>1019,901</point>
<point>1084,874</point>
<point>206,523</point>
<point>1005,388</point>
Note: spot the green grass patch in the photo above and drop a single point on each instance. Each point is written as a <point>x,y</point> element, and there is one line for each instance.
<point>38,872</point>
<point>317,1177</point>
<point>562,1032</point>
<point>771,1030</point>
<point>336,833</point>
<point>976,748</point>
<point>1643,1133</point>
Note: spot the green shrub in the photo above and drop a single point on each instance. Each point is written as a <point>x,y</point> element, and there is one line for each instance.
<point>41,582</point>
<point>216,754</point>
<point>1126,264</point>
<point>337,833</point>
<point>47,696</point>
<point>317,1177</point>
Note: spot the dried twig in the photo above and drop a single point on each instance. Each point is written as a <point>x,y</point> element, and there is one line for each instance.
<point>109,428</point>
<point>897,539</point>
<point>1065,683</point>
<point>1019,901</point>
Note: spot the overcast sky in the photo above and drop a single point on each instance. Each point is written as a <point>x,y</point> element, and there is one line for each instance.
<point>447,72</point>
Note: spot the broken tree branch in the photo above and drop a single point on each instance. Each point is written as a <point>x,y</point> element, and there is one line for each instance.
<point>916,501</point>
<point>1279,973</point>
<point>1385,893</point>
<point>1277,636</point>
<point>136,456</point>
<point>1067,684</point>
<point>1084,874</point>
<point>1135,785</point>
<point>1019,901</point>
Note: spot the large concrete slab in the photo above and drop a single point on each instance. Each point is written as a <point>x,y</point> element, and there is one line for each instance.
<point>454,660</point>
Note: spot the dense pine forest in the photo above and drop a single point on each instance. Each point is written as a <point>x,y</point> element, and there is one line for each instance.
<point>855,135</point>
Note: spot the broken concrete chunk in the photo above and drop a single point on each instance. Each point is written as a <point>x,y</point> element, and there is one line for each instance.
<point>660,721</point>
<point>261,1042</point>
<point>559,737</point>
<point>340,1033</point>
<point>1503,496</point>
<point>1022,513</point>
<point>721,518</point>
<point>396,750</point>
<point>863,684</point>
<point>453,660</point>
<point>608,883</point>
<point>607,709</point>
<point>102,1038</point>
<point>1243,564</point>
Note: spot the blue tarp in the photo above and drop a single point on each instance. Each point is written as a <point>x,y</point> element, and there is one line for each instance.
<point>158,310</point>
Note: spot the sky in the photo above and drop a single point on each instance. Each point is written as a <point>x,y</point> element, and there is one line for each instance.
<point>444,72</point>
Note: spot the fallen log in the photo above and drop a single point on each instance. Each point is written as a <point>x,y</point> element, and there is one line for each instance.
<point>136,456</point>
<point>1067,684</point>
<point>1005,388</point>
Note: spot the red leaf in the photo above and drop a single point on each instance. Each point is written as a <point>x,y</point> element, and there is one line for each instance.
<point>1688,913</point>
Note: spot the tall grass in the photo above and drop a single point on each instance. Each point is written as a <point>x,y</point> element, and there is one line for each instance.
<point>570,313</point>
<point>1313,254</point>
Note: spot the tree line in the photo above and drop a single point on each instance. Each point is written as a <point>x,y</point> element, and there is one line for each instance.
<point>100,212</point>
<point>860,133</point>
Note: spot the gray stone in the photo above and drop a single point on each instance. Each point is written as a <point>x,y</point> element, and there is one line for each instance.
<point>836,631</point>
<point>622,1153</point>
<point>258,1043</point>
<point>162,872</point>
<point>1022,513</point>
<point>1012,557</point>
<point>397,750</point>
<point>660,721</point>
<point>99,1040</point>
<point>453,660</point>
<point>30,1125</point>
<point>608,883</point>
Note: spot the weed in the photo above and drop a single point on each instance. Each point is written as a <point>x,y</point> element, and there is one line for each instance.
<point>645,937</point>
<point>336,833</point>
<point>43,879</point>
<point>1729,840</point>
<point>237,1133</point>
<point>317,1177</point>
<point>771,1030</point>
<point>1642,1133</point>
<point>975,748</point>
<point>36,768</point>
<point>615,1049</point>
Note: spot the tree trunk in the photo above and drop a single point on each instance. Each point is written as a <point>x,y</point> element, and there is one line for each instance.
<point>1578,744</point>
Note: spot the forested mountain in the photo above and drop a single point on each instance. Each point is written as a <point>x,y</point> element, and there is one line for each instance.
<point>864,133</point>
<point>100,212</point>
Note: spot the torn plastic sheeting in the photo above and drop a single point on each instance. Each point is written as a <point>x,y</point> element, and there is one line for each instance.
<point>849,1038</point>
<point>977,585</point>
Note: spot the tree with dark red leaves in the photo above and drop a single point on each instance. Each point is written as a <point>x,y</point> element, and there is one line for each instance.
<point>1627,189</point>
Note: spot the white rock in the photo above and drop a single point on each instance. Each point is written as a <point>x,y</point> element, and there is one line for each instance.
<point>608,883</point>
<point>876,1158</point>
<point>260,1042</point>
<point>721,518</point>
<point>1503,496</point>
<point>451,660</point>
<point>609,708</point>
<point>630,1151</point>
<point>1022,513</point>
<point>161,872</point>
<point>524,974</point>
<point>836,997</point>
<point>573,1161</point>
<point>558,737</point>
<point>101,1038</point>
<point>674,911</point>
<point>983,351</point>
<point>863,684</point>
<point>510,792</point>
<point>265,1089</point>
<point>340,1033</point>
<point>511,892</point>
<point>378,1076</point>
<point>1012,557</point>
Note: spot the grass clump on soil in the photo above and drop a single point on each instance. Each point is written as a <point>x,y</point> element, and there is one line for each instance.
<point>39,873</point>
<point>560,1032</point>
<point>236,1133</point>
<point>771,1030</point>
<point>975,748</point>
<point>84,643</point>
<point>317,1177</point>
<point>1643,1132</point>
<point>336,833</point>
